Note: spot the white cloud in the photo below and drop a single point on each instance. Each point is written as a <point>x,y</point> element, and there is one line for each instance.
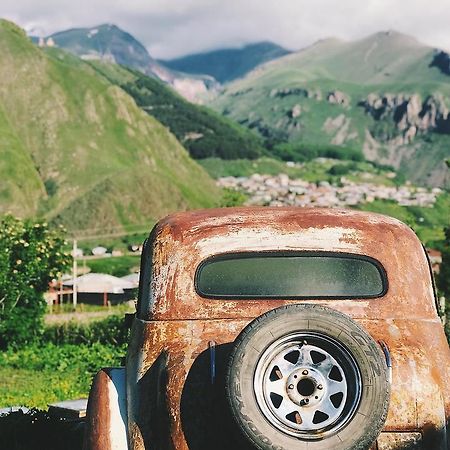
<point>174,27</point>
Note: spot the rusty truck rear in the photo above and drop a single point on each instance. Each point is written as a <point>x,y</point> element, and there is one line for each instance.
<point>233,345</point>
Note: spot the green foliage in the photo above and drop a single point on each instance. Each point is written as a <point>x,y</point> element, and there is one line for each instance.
<point>342,169</point>
<point>31,255</point>
<point>443,279</point>
<point>232,197</point>
<point>428,223</point>
<point>313,171</point>
<point>61,364</point>
<point>109,331</point>
<point>87,357</point>
<point>43,373</point>
<point>51,187</point>
<point>291,151</point>
<point>118,266</point>
<point>202,131</point>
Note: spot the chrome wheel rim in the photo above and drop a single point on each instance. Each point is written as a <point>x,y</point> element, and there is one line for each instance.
<point>307,385</point>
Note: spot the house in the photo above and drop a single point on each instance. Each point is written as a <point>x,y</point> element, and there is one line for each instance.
<point>101,288</point>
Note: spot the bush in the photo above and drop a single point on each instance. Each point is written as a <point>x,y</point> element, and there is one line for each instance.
<point>342,169</point>
<point>31,255</point>
<point>299,152</point>
<point>86,359</point>
<point>232,197</point>
<point>110,331</point>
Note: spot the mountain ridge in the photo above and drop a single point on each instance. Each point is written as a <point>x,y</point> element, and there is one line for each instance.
<point>78,151</point>
<point>381,93</point>
<point>109,42</point>
<point>227,64</point>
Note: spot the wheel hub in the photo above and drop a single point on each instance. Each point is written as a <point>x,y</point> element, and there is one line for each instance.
<point>307,384</point>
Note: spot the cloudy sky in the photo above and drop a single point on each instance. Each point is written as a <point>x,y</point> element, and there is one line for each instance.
<point>171,28</point>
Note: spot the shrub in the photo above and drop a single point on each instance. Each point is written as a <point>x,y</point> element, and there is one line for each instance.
<point>232,197</point>
<point>342,169</point>
<point>110,331</point>
<point>31,255</point>
<point>291,151</point>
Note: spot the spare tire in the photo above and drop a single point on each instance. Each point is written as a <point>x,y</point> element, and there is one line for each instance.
<point>307,377</point>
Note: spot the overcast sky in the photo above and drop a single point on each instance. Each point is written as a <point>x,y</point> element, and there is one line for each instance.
<point>170,28</point>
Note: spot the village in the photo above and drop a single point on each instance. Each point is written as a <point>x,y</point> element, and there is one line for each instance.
<point>280,190</point>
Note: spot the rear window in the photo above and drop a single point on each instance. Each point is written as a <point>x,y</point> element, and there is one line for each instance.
<point>290,275</point>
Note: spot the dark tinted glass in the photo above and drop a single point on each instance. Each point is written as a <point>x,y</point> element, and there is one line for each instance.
<point>275,275</point>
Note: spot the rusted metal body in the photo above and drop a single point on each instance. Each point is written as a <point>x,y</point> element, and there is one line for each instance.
<point>171,403</point>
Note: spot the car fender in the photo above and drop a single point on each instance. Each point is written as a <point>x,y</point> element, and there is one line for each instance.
<point>106,417</point>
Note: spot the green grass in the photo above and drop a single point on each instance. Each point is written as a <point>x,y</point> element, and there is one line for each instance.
<point>313,171</point>
<point>114,265</point>
<point>67,308</point>
<point>202,131</point>
<point>217,167</point>
<point>38,375</point>
<point>428,223</point>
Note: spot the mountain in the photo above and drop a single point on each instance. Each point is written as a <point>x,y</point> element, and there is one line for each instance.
<point>387,95</point>
<point>77,150</point>
<point>108,42</point>
<point>202,131</point>
<point>227,64</point>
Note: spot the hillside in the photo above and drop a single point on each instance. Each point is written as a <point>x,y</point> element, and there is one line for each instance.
<point>227,64</point>
<point>77,150</point>
<point>387,95</point>
<point>108,42</point>
<point>202,131</point>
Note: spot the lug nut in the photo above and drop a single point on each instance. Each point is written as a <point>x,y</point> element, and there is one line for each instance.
<point>320,387</point>
<point>304,401</point>
<point>305,372</point>
<point>291,386</point>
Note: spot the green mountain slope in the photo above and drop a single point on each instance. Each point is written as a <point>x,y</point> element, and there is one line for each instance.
<point>227,64</point>
<point>382,95</point>
<point>202,131</point>
<point>76,148</point>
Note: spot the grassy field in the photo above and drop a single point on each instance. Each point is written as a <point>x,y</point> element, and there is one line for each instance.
<point>315,170</point>
<point>38,375</point>
<point>428,223</point>
<point>118,266</point>
<point>61,364</point>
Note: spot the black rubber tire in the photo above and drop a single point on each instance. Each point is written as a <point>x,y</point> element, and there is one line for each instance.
<point>370,414</point>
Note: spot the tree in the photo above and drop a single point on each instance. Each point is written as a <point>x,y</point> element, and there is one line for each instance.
<point>443,279</point>
<point>31,255</point>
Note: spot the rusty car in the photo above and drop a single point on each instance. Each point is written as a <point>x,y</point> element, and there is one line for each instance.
<point>279,328</point>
